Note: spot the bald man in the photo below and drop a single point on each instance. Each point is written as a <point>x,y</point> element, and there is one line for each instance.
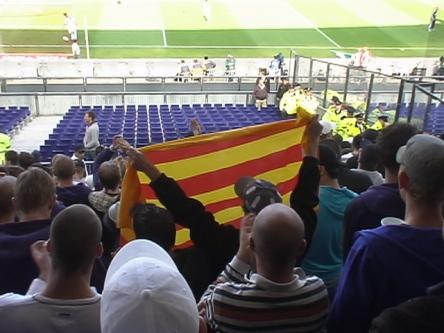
<point>61,299</point>
<point>7,211</point>
<point>67,192</point>
<point>278,297</point>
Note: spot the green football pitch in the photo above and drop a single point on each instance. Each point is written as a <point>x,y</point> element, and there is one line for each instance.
<point>243,28</point>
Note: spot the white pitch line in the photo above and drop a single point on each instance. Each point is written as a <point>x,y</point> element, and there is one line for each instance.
<point>314,26</point>
<point>223,47</point>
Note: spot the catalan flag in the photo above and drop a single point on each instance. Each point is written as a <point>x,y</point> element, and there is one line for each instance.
<point>207,166</point>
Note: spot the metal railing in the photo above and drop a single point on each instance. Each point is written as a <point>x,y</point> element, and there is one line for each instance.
<point>370,86</point>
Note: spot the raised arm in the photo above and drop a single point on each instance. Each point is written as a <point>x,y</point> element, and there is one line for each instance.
<point>304,197</point>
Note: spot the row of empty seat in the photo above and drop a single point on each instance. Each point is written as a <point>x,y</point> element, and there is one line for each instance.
<point>12,116</point>
<point>142,125</point>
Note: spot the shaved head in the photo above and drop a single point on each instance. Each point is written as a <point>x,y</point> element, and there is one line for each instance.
<point>278,236</point>
<point>7,184</point>
<point>75,234</point>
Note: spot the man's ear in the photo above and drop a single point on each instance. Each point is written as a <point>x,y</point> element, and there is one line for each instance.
<point>99,250</point>
<point>403,179</point>
<point>251,243</point>
<point>301,248</point>
<point>48,246</point>
<point>321,170</point>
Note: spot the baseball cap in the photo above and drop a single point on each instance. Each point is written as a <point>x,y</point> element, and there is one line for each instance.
<point>144,292</point>
<point>327,126</point>
<point>423,158</point>
<point>113,212</point>
<point>256,193</point>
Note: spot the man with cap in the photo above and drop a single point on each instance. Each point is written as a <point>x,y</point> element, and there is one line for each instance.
<point>335,112</point>
<point>289,102</point>
<point>381,123</point>
<point>352,125</point>
<point>402,258</point>
<point>278,297</point>
<point>284,86</point>
<point>221,242</point>
<point>144,292</point>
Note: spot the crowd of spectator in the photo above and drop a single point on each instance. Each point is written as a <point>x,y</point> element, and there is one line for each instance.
<point>359,248</point>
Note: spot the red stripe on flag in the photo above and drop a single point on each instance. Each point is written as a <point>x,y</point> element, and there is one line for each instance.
<point>214,180</point>
<point>193,149</point>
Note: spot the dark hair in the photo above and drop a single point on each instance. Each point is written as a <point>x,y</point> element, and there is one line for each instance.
<point>12,156</point>
<point>370,136</point>
<point>369,157</point>
<point>333,145</point>
<point>37,156</point>
<point>109,175</point>
<point>356,142</point>
<point>91,114</point>
<point>329,160</point>
<point>391,139</point>
<point>25,160</point>
<point>154,223</point>
<point>34,189</point>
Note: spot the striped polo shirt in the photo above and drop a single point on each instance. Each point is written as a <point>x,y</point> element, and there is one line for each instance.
<point>255,304</point>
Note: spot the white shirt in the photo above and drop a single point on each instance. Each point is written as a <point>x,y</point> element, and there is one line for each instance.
<point>70,23</point>
<point>75,48</point>
<point>34,313</point>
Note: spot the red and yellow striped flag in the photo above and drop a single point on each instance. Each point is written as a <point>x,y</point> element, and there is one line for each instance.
<point>207,166</point>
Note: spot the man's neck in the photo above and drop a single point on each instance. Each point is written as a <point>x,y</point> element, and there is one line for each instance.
<point>75,286</point>
<point>420,215</point>
<point>327,181</point>
<point>391,177</point>
<point>34,216</point>
<point>112,191</point>
<point>64,182</point>
<point>278,276</point>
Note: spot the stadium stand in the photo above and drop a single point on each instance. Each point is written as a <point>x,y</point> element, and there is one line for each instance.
<point>12,116</point>
<point>142,125</point>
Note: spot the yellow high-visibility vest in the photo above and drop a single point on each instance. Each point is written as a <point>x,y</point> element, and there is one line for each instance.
<point>5,145</point>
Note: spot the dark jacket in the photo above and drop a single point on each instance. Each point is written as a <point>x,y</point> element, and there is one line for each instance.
<point>18,268</point>
<point>386,266</point>
<point>282,89</point>
<point>367,211</point>
<point>76,194</point>
<point>221,242</point>
<point>418,315</point>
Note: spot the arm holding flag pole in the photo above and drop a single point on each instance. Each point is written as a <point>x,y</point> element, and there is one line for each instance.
<point>304,197</point>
